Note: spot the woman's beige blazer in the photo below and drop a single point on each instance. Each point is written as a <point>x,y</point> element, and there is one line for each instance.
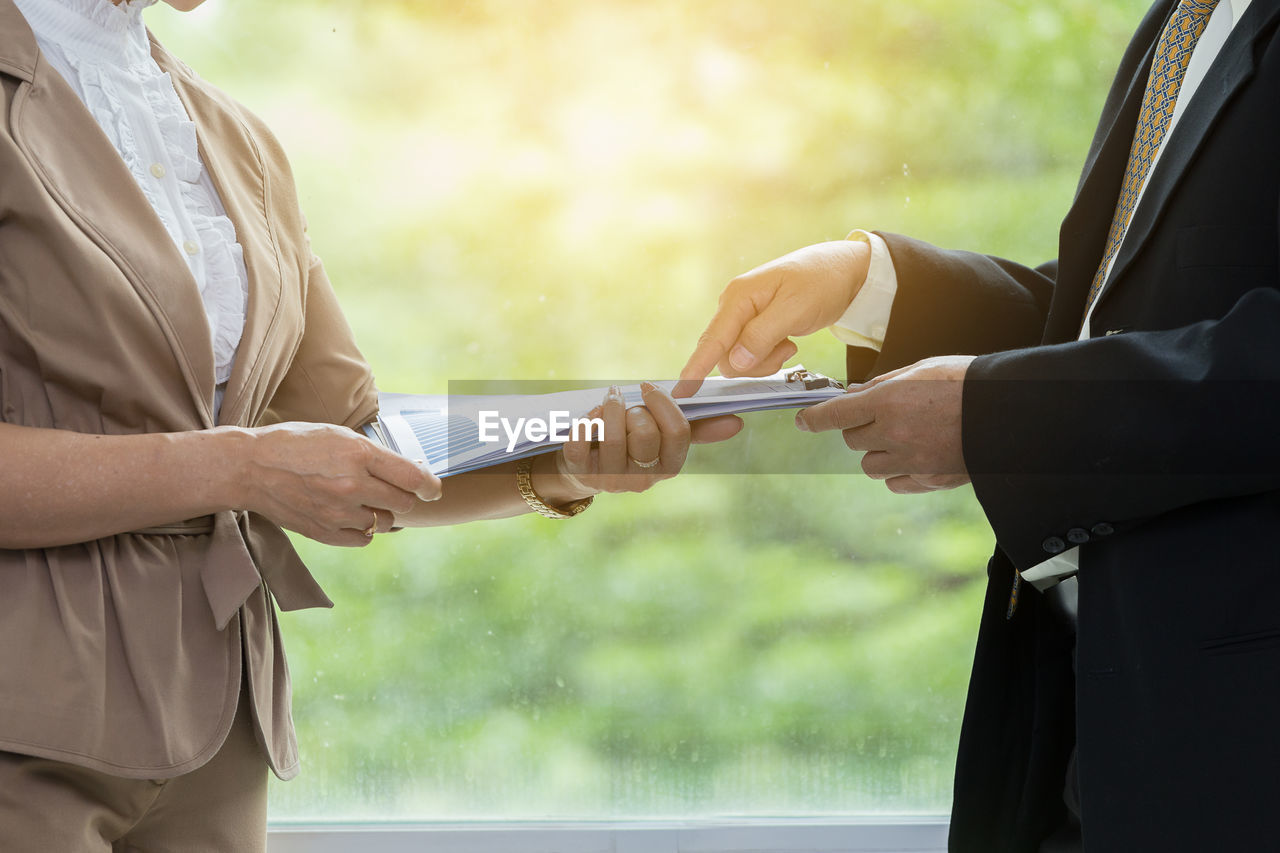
<point>126,654</point>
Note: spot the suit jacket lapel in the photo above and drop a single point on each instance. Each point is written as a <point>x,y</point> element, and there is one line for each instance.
<point>18,50</point>
<point>1231,69</point>
<point>238,175</point>
<point>83,172</point>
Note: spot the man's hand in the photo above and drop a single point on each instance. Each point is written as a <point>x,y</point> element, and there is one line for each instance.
<point>907,421</point>
<point>797,294</point>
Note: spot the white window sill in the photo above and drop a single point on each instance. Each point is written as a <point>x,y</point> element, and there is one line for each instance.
<point>888,834</point>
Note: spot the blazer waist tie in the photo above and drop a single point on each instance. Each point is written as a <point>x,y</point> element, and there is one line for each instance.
<point>246,550</point>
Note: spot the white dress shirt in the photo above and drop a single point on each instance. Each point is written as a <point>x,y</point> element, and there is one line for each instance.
<point>103,52</point>
<point>867,318</point>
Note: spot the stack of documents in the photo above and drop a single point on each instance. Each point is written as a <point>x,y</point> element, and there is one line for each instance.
<point>457,433</point>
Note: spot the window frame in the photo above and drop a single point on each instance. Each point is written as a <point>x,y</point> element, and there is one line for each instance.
<point>872,834</point>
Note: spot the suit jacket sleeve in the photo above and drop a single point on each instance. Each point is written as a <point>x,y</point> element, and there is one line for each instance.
<point>1098,435</point>
<point>951,302</point>
<point>1109,431</point>
<point>328,380</point>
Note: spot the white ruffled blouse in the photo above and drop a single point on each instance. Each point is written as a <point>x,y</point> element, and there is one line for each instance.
<point>103,52</point>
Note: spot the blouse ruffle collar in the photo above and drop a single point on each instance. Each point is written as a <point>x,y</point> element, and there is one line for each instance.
<point>98,28</point>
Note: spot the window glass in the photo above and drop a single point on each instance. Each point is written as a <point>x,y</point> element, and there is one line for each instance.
<point>514,190</point>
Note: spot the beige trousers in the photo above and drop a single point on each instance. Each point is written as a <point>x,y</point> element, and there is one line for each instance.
<point>48,806</point>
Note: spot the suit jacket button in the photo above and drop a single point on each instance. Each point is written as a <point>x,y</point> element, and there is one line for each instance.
<point>1054,545</point>
<point>1103,529</point>
<point>1077,536</point>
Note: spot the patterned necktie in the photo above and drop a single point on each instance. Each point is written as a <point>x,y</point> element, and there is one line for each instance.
<point>1173,53</point>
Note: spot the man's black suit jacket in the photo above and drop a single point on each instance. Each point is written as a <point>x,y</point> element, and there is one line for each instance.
<point>1155,444</point>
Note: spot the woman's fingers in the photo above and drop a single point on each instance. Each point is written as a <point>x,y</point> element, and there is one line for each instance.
<point>613,444</point>
<point>332,484</point>
<point>644,439</point>
<point>640,445</point>
<point>344,538</point>
<point>380,521</point>
<point>385,496</point>
<point>357,533</point>
<point>329,515</point>
<point>576,457</point>
<point>711,430</point>
<point>672,424</point>
<point>403,473</point>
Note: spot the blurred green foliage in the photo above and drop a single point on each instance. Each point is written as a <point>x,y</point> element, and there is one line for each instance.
<point>505,189</point>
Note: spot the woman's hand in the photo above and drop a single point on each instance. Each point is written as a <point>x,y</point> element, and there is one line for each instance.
<point>642,445</point>
<point>327,482</point>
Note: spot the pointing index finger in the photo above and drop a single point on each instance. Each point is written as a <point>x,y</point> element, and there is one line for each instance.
<point>714,343</point>
<point>704,359</point>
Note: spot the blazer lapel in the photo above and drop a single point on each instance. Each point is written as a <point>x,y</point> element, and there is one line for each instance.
<point>83,172</point>
<point>238,175</point>
<point>18,50</point>
<point>1231,69</point>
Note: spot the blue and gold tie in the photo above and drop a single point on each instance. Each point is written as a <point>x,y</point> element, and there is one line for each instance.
<point>1173,53</point>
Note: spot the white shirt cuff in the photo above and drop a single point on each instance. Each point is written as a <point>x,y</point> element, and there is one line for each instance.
<point>1053,570</point>
<point>866,320</point>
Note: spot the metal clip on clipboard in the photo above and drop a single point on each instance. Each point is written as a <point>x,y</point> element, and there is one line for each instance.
<point>811,380</point>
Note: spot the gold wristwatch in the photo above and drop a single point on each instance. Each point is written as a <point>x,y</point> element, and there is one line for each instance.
<point>524,482</point>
